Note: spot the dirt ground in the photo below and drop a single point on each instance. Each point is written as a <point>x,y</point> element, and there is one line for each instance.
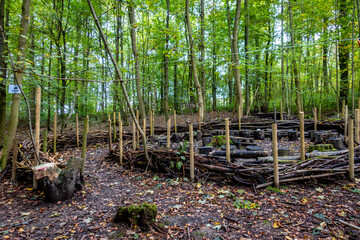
<point>326,209</point>
<point>201,210</point>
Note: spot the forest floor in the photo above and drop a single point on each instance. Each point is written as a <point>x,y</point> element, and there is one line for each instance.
<point>186,210</point>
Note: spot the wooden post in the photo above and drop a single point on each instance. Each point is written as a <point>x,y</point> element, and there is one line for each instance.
<point>315,119</point>
<point>109,117</point>
<point>343,109</point>
<point>199,122</point>
<point>14,160</point>
<point>359,103</point>
<point>346,122</point>
<point>144,126</point>
<point>114,127</point>
<point>137,131</point>
<point>110,138</point>
<point>175,127</point>
<point>134,135</point>
<point>54,131</point>
<point>37,123</point>
<point>77,129</point>
<point>319,115</point>
<point>357,126</point>
<point>121,141</point>
<point>239,116</point>
<point>227,130</point>
<point>281,111</point>
<point>168,133</point>
<point>275,155</point>
<point>191,145</point>
<point>302,136</point>
<point>83,148</point>
<point>45,141</point>
<point>351,150</point>
<point>151,123</point>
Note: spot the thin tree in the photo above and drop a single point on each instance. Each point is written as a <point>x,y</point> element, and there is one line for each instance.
<point>193,63</point>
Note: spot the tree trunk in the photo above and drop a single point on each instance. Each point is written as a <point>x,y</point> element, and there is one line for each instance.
<point>193,63</point>
<point>15,104</point>
<point>3,67</point>
<point>166,63</point>
<point>131,12</point>
<point>213,85</point>
<point>344,51</point>
<point>294,64</point>
<point>202,51</point>
<point>246,35</point>
<point>235,54</point>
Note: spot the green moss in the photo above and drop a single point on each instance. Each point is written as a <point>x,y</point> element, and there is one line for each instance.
<point>321,147</point>
<point>218,141</point>
<point>142,215</point>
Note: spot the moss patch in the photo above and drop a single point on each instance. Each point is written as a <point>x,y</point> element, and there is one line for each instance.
<point>218,141</point>
<point>142,215</point>
<point>321,147</point>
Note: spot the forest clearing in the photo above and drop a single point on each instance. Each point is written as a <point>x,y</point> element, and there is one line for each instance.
<point>183,119</point>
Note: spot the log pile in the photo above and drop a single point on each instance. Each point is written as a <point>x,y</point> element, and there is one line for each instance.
<point>256,173</point>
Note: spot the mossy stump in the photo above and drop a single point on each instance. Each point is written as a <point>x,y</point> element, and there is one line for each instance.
<point>142,215</point>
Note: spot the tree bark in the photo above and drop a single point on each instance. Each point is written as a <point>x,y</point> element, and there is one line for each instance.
<point>131,12</point>
<point>3,67</point>
<point>193,63</point>
<point>246,35</point>
<point>166,62</point>
<point>294,63</point>
<point>344,51</point>
<point>202,50</point>
<point>15,105</point>
<point>235,55</point>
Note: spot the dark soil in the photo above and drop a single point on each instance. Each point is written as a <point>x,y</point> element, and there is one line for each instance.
<point>200,210</point>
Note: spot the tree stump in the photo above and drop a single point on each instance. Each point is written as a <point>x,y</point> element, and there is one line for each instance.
<point>206,141</point>
<point>259,134</point>
<point>293,135</point>
<point>205,150</point>
<point>321,137</point>
<point>175,137</point>
<point>321,147</point>
<point>338,143</point>
<point>282,152</point>
<point>143,215</point>
<point>65,185</point>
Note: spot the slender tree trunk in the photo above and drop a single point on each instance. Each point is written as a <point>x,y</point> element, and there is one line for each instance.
<point>294,63</point>
<point>213,85</point>
<point>283,88</point>
<point>176,87</point>
<point>235,55</point>
<point>246,35</point>
<point>3,67</point>
<point>202,51</point>
<point>193,63</point>
<point>15,104</point>
<point>166,63</point>
<point>131,12</point>
<point>325,56</point>
<point>344,51</point>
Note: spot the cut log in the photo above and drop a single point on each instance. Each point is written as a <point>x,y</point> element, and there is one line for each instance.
<point>283,152</point>
<point>293,135</point>
<point>206,141</point>
<point>337,142</point>
<point>320,147</point>
<point>64,186</point>
<point>259,134</point>
<point>175,137</point>
<point>205,150</point>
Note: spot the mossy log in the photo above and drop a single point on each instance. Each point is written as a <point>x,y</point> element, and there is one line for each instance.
<point>142,215</point>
